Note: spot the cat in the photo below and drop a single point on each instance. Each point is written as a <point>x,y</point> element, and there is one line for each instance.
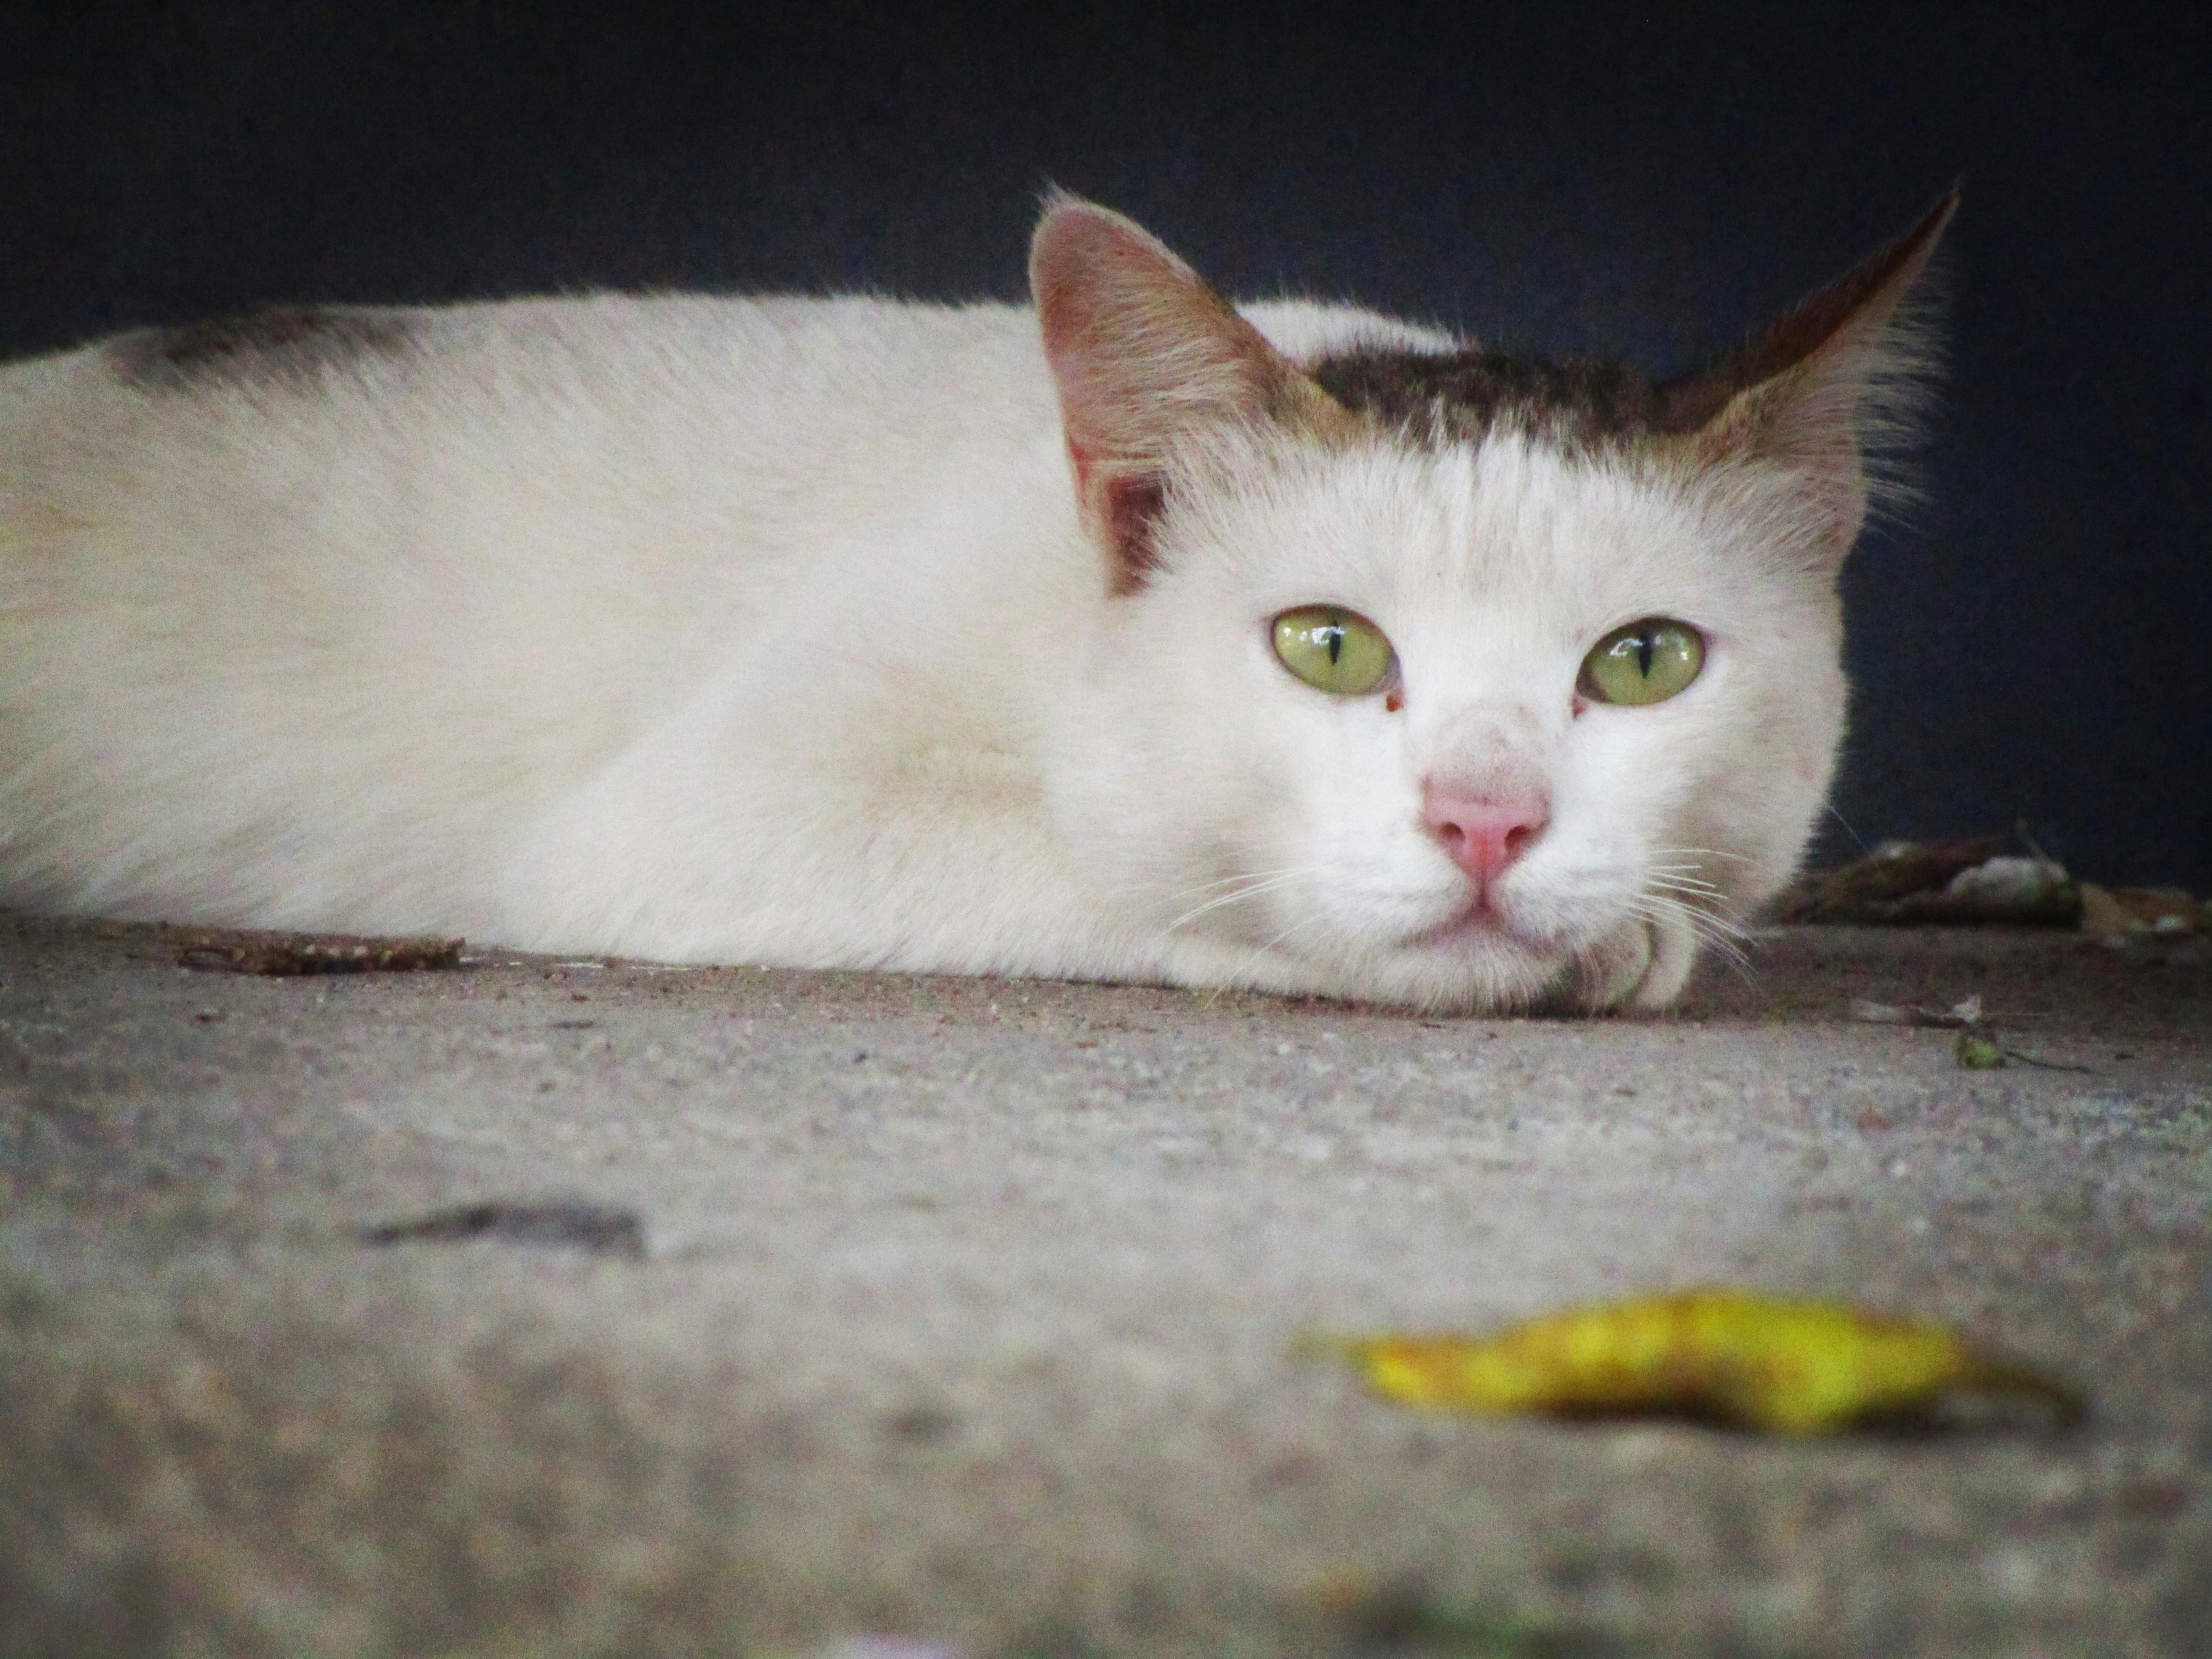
<point>1130,635</point>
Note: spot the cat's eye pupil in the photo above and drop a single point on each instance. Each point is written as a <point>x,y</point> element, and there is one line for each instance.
<point>1335,646</point>
<point>1644,648</point>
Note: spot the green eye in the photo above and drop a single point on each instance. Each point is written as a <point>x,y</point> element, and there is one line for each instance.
<point>1340,652</point>
<point>1647,661</point>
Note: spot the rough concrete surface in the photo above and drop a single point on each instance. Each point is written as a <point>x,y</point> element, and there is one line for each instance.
<point>967,1311</point>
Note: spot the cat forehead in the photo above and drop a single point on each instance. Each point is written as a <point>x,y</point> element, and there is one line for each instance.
<point>1504,508</point>
<point>1511,527</point>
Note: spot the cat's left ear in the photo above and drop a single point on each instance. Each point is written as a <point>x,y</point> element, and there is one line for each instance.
<point>1145,356</point>
<point>1835,374</point>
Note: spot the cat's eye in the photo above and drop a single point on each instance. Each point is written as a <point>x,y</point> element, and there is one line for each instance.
<point>1648,661</point>
<point>1333,650</point>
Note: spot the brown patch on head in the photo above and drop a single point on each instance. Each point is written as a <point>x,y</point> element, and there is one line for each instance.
<point>291,346</point>
<point>1820,398</point>
<point>1579,405</point>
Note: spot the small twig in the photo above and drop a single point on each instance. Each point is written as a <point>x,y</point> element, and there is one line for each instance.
<point>285,955</point>
<point>2048,1065</point>
<point>575,1223</point>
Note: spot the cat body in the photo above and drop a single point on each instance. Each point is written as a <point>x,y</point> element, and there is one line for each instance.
<point>844,633</point>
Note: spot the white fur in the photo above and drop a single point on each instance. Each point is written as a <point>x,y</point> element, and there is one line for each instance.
<point>765,631</point>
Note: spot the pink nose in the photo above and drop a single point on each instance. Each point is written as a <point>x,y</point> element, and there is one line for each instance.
<point>1481,834</point>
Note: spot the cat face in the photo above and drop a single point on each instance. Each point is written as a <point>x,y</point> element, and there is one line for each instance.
<point>1307,830</point>
<point>1435,678</point>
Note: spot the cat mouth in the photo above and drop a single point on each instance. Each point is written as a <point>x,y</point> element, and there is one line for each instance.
<point>1479,922</point>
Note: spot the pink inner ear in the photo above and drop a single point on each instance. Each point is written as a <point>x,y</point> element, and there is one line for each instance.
<point>1082,461</point>
<point>1132,505</point>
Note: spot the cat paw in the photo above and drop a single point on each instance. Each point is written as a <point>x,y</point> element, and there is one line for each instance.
<point>1642,966</point>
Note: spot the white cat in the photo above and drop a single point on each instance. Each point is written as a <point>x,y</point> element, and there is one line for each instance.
<point>1133,638</point>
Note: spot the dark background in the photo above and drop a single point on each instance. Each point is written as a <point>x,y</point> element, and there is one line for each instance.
<point>2036,644</point>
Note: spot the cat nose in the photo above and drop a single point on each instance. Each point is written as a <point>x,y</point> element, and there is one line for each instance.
<point>1483,834</point>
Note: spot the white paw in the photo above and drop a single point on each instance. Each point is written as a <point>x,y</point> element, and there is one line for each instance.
<point>1644,966</point>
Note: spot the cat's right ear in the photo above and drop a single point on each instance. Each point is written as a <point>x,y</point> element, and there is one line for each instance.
<point>1145,355</point>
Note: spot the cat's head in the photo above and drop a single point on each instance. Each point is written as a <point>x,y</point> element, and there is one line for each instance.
<point>1445,678</point>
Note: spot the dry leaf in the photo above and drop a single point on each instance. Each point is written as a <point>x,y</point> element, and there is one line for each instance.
<point>1757,1362</point>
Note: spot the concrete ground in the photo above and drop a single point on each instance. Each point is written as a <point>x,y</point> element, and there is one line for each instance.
<point>967,1311</point>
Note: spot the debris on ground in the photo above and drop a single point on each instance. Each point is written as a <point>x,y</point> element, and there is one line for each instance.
<point>1972,879</point>
<point>1978,1053</point>
<point>1964,1012</point>
<point>1968,880</point>
<point>2126,913</point>
<point>1406,1616</point>
<point>1736,1358</point>
<point>242,950</point>
<point>561,1223</point>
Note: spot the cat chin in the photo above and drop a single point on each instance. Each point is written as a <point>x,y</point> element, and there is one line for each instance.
<point>1474,964</point>
<point>1476,961</point>
<point>1487,971</point>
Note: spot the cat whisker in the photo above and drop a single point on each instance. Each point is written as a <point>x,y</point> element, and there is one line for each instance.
<point>1197,887</point>
<point>1707,920</point>
<point>1675,881</point>
<point>1719,932</point>
<point>1738,959</point>
<point>1703,852</point>
<point>1256,885</point>
<point>1684,885</point>
<point>1202,891</point>
<point>1865,851</point>
<point>1259,951</point>
<point>1708,897</point>
<point>1712,924</point>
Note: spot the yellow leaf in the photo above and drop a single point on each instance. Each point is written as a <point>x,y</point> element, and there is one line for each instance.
<point>1759,1362</point>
